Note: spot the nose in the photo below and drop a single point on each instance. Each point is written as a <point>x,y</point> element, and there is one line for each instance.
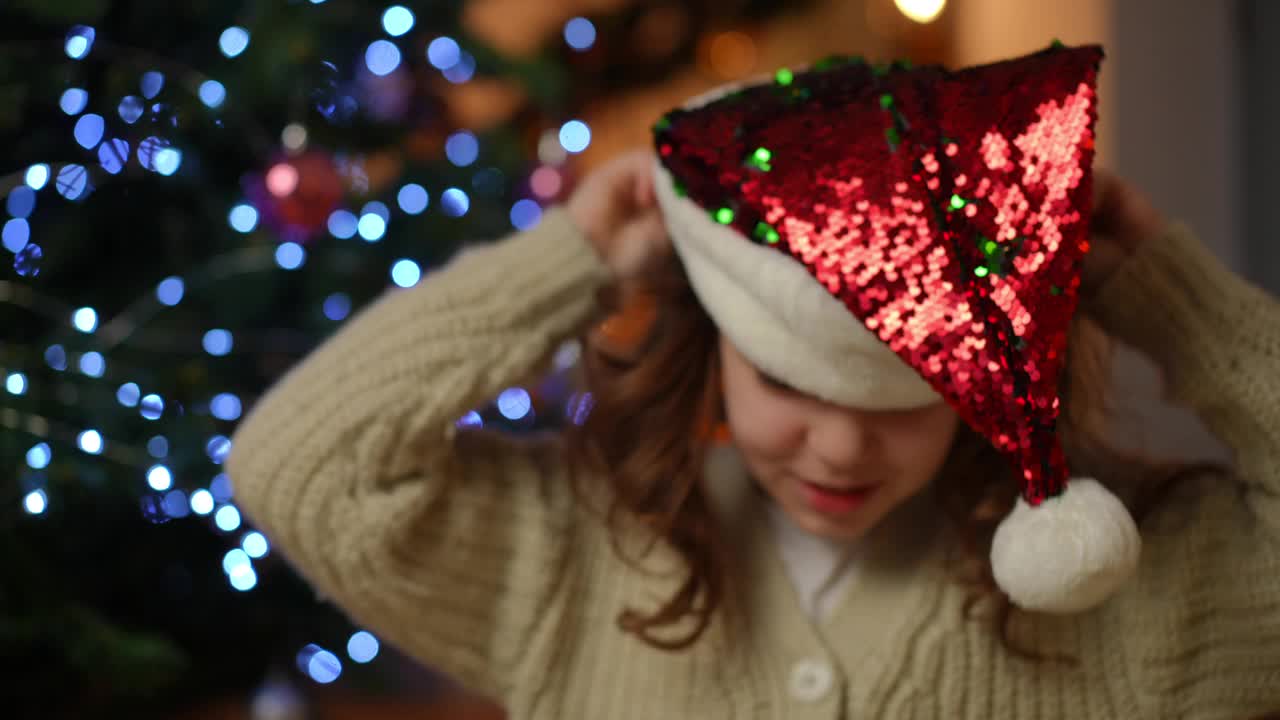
<point>840,438</point>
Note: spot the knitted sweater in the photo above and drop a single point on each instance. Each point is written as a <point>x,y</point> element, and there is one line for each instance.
<point>466,549</point>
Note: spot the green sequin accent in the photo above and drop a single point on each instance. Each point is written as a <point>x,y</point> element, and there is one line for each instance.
<point>893,137</point>
<point>1055,290</point>
<point>681,190</point>
<point>724,216</point>
<point>957,202</point>
<point>664,123</point>
<point>760,159</point>
<point>1057,44</point>
<point>886,101</point>
<point>981,271</point>
<point>784,76</point>
<point>880,69</point>
<point>766,233</point>
<point>989,247</point>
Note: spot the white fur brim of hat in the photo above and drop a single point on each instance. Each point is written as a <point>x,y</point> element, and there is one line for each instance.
<point>1067,554</point>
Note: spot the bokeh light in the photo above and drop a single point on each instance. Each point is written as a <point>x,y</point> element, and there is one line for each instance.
<point>151,83</point>
<point>921,11</point>
<point>342,224</point>
<point>290,255</point>
<point>73,181</point>
<point>382,57</point>
<point>462,148</point>
<point>93,364</point>
<point>16,383</point>
<point>514,403</point>
<point>90,441</point>
<point>413,198</point>
<point>218,342</point>
<point>159,478</point>
<point>201,502</point>
<point>443,53</point>
<point>158,446</point>
<point>454,202</point>
<point>461,71</point>
<point>397,20</point>
<point>225,406</point>
<point>337,307</point>
<point>35,502</point>
<point>15,235</point>
<point>362,647</point>
<point>85,319</point>
<point>575,136</point>
<point>282,179</point>
<point>113,154</point>
<point>243,218</point>
<point>151,406</point>
<point>88,130</point>
<point>212,93</point>
<point>525,214</point>
<point>546,182</point>
<point>39,456</point>
<point>406,273</point>
<point>254,544</point>
<point>37,176</point>
<point>227,518</point>
<point>579,33</point>
<point>233,41</point>
<point>170,291</point>
<point>79,41</point>
<point>129,394</point>
<point>371,227</point>
<point>73,101</point>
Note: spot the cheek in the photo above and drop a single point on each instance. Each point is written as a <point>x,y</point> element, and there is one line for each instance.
<point>921,450</point>
<point>764,427</point>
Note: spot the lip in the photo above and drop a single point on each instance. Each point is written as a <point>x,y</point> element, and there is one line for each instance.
<point>835,501</point>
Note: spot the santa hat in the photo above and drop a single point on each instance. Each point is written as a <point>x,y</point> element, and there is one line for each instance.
<point>886,237</point>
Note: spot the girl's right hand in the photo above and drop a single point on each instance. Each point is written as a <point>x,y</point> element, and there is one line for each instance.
<point>616,208</point>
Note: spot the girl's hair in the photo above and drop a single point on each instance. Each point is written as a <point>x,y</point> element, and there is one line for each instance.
<point>652,371</point>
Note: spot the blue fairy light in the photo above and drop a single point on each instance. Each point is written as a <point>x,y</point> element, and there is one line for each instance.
<point>225,406</point>
<point>362,647</point>
<point>73,101</point>
<point>337,307</point>
<point>79,41</point>
<point>405,273</point>
<point>377,208</point>
<point>218,447</point>
<point>16,383</point>
<point>525,214</point>
<point>35,502</point>
<point>290,255</point>
<point>167,161</point>
<point>254,544</point>
<point>176,504</point>
<point>397,20</point>
<point>461,71</point>
<point>27,262</point>
<point>342,224</point>
<point>227,518</point>
<point>234,558</point>
<point>220,486</point>
<point>202,502</point>
<point>90,441</point>
<point>21,201</point>
<point>151,84</point>
<point>471,420</point>
<point>243,218</point>
<point>37,176</point>
<point>73,181</point>
<point>413,198</point>
<point>580,33</point>
<point>56,357</point>
<point>85,319</point>
<point>129,394</point>
<point>151,406</point>
<point>130,108</point>
<point>454,202</point>
<point>148,148</point>
<point>218,342</point>
<point>39,456</point>
<point>170,291</point>
<point>382,57</point>
<point>233,41</point>
<point>212,93</point>
<point>88,130</point>
<point>371,227</point>
<point>159,478</point>
<point>575,136</point>
<point>158,446</point>
<point>462,148</point>
<point>579,407</point>
<point>244,578</point>
<point>15,235</point>
<point>93,364</point>
<point>514,403</point>
<point>443,53</point>
<point>320,665</point>
<point>113,154</point>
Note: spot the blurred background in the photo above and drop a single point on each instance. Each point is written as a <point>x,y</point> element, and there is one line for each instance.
<point>197,193</point>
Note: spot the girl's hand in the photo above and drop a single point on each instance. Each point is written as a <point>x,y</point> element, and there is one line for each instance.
<point>616,208</point>
<point>1123,218</point>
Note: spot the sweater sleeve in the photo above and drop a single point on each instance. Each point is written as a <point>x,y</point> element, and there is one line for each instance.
<point>1217,338</point>
<point>450,544</point>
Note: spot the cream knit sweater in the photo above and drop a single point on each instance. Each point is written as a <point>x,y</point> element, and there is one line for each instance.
<point>466,550</point>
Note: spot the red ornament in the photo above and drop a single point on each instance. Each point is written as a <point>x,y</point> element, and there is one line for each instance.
<point>296,194</point>
<point>948,211</point>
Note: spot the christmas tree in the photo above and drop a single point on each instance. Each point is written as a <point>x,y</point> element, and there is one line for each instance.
<point>196,194</point>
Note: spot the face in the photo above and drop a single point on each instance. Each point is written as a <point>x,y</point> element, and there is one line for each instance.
<point>836,471</point>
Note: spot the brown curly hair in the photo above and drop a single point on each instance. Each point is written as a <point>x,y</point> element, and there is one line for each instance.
<point>653,373</point>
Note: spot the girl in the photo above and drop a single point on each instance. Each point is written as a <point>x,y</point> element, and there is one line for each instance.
<point>831,559</point>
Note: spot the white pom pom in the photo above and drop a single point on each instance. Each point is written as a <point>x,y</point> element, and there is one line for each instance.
<point>1068,554</point>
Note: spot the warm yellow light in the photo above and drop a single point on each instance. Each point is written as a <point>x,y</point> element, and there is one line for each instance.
<point>922,11</point>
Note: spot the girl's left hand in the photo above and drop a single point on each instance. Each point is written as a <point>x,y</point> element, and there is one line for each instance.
<point>1123,218</point>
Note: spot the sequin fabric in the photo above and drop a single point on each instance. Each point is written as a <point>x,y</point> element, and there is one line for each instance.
<point>947,210</point>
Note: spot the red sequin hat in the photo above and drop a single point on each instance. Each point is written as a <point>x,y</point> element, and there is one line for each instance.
<point>882,236</point>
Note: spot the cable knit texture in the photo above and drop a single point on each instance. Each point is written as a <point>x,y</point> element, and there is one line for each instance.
<point>466,549</point>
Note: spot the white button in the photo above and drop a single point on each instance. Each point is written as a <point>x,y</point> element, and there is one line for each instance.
<point>811,680</point>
